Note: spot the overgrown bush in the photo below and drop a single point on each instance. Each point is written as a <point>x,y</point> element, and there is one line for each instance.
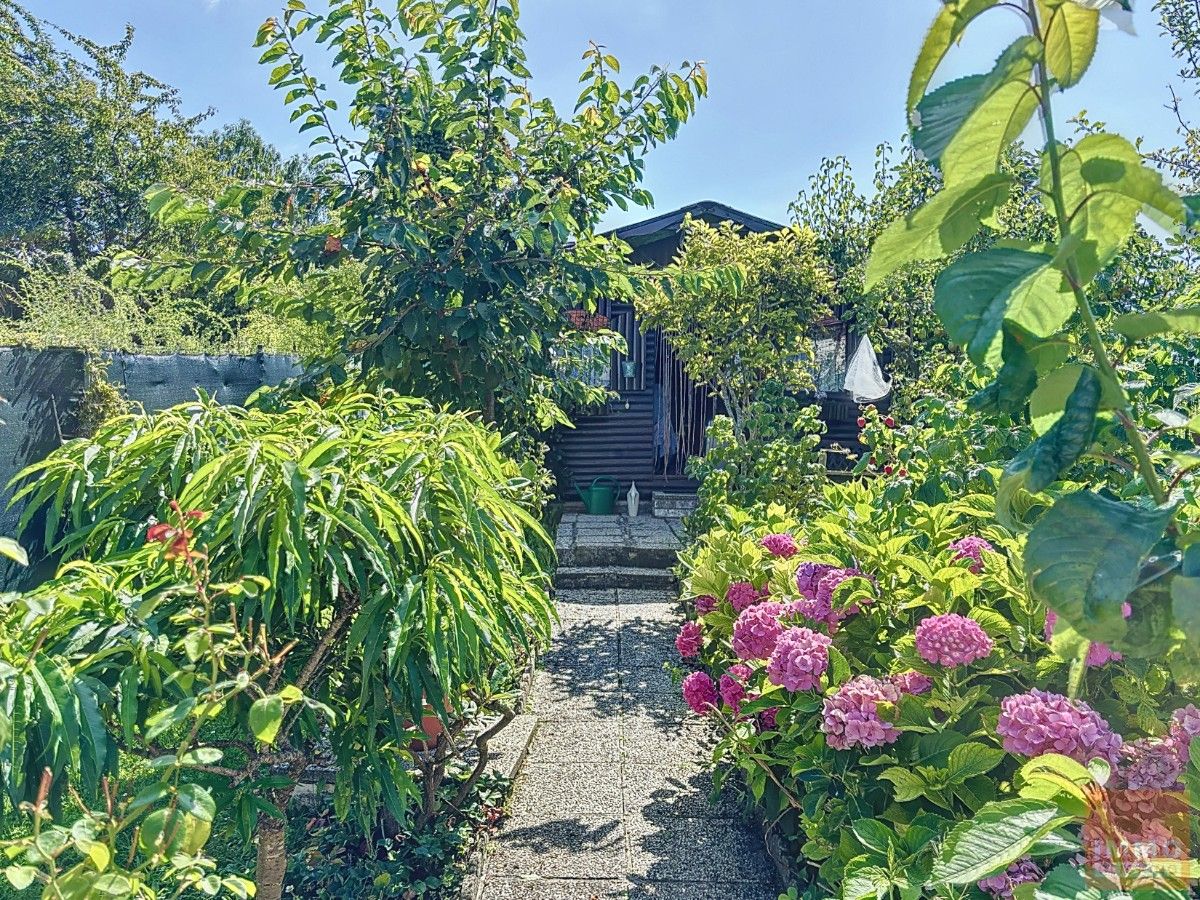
<point>776,459</point>
<point>396,551</point>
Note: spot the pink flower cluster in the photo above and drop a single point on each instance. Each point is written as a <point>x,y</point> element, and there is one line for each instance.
<point>1001,886</point>
<point>1185,727</point>
<point>756,630</point>
<point>817,589</point>
<point>742,595</point>
<point>808,576</point>
<point>700,693</point>
<point>1098,654</point>
<point>1042,722</point>
<point>689,640</point>
<point>781,545</point>
<point>1150,763</point>
<point>850,718</point>
<point>971,547</point>
<point>952,640</point>
<point>733,686</point>
<point>799,659</point>
<point>912,682</point>
<point>705,604</point>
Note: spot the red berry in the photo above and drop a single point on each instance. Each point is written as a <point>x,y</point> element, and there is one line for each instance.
<point>904,473</point>
<point>862,423</point>
<point>889,422</point>
<point>887,470</point>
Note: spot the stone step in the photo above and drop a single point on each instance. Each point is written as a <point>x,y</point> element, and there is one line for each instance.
<point>599,555</point>
<point>614,576</point>
<point>673,506</point>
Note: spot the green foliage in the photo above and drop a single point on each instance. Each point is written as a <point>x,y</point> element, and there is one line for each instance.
<point>397,566</point>
<point>778,459</point>
<point>1041,295</point>
<point>469,205</point>
<point>755,332</point>
<point>82,139</point>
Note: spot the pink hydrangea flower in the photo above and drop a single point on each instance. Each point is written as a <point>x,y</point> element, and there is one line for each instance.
<point>1023,871</point>
<point>808,576</point>
<point>700,693</point>
<point>811,609</point>
<point>782,545</point>
<point>971,547</point>
<point>799,659</point>
<point>689,640</point>
<point>829,583</point>
<point>766,718</point>
<point>733,686</point>
<point>1098,654</point>
<point>1150,763</point>
<point>705,604</point>
<point>850,718</point>
<point>912,682</point>
<point>952,640</point>
<point>1042,722</point>
<point>756,630</point>
<point>742,595</point>
<point>1185,726</point>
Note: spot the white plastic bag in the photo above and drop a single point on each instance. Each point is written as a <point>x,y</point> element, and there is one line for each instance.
<point>864,378</point>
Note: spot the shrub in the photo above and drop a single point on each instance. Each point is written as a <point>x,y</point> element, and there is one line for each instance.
<point>398,564</point>
<point>880,671</point>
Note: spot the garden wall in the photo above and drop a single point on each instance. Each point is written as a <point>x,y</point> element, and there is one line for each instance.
<point>41,390</point>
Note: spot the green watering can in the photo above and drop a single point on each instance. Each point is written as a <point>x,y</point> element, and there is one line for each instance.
<point>598,499</point>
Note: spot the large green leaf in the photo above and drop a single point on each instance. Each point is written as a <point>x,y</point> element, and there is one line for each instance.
<point>1105,186</point>
<point>1049,400</point>
<point>1167,321</point>
<point>1185,606</point>
<point>948,27</point>
<point>1070,35</point>
<point>943,225</point>
<point>995,837</point>
<point>976,294</point>
<point>10,549</point>
<point>1005,105</point>
<point>941,113</point>
<point>1025,356</point>
<point>1041,463</point>
<point>1084,556</point>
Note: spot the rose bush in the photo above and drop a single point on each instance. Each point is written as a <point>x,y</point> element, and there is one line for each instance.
<point>878,673</point>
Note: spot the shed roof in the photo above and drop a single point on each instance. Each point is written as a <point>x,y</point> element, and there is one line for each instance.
<point>666,224</point>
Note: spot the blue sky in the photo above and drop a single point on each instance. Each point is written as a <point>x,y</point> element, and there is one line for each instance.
<point>791,81</point>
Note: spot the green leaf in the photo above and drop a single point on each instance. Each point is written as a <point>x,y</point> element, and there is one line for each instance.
<point>10,549</point>
<point>948,27</point>
<point>907,784</point>
<point>1025,355</point>
<point>1143,325</point>
<point>266,716</point>
<point>865,881</point>
<point>1067,882</point>
<point>971,759</point>
<point>20,877</point>
<point>1070,36</point>
<point>1083,559</point>
<point>1041,463</point>
<point>943,225</point>
<point>975,295</point>
<point>1005,105</point>
<point>1049,400</point>
<point>874,835</point>
<point>999,834</point>
<point>1105,186</point>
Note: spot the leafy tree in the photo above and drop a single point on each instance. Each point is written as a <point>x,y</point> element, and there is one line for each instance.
<point>395,567</point>
<point>469,204</point>
<point>82,138</point>
<point>741,336</point>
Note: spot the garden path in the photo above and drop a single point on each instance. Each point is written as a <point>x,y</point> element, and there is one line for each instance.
<point>613,800</point>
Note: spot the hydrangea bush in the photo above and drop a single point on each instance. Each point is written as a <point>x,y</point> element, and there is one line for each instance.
<point>878,673</point>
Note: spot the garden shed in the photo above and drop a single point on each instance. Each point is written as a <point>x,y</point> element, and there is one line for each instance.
<point>658,416</point>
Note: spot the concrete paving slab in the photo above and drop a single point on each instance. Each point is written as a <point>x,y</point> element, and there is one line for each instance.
<point>565,847</point>
<point>588,790</point>
<point>587,741</point>
<point>703,850</point>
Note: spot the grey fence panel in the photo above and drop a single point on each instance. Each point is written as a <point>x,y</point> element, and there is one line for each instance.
<point>41,390</point>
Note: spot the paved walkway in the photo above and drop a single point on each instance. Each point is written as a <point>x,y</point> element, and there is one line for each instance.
<point>613,801</point>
